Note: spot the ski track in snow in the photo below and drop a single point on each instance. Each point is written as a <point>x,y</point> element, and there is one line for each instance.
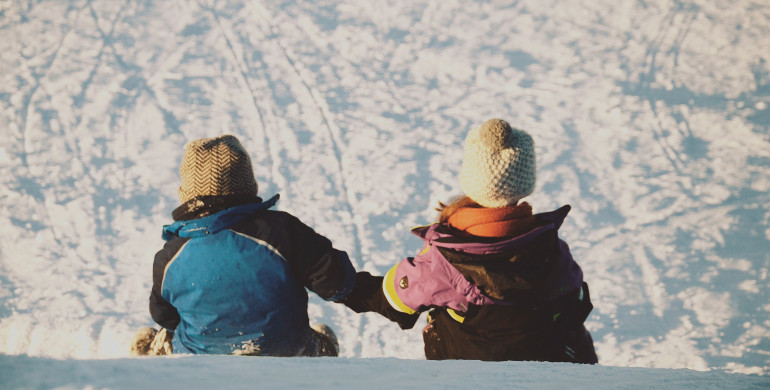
<point>650,118</point>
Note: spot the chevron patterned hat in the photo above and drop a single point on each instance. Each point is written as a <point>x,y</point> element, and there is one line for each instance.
<point>215,166</point>
<point>498,164</point>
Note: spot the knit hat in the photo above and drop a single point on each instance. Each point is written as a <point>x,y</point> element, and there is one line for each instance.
<point>498,164</point>
<point>215,166</point>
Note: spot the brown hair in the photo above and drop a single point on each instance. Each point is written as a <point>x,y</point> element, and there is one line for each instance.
<point>446,210</point>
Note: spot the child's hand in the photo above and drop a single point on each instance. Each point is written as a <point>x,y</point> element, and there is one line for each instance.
<point>161,344</point>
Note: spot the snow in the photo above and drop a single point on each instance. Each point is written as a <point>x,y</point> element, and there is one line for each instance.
<point>650,118</point>
<point>236,372</point>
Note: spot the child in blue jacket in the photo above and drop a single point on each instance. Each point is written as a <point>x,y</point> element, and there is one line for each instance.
<point>231,277</point>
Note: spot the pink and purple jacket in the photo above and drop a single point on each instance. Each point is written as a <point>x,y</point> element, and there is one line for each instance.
<point>434,279</point>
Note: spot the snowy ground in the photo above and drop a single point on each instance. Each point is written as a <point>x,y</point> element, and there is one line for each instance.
<point>234,372</point>
<point>651,118</point>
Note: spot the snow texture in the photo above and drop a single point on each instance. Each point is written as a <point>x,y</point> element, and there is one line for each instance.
<point>650,117</point>
<point>237,372</point>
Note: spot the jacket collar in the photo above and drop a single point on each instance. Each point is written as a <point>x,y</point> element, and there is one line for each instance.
<point>216,222</point>
<point>447,237</point>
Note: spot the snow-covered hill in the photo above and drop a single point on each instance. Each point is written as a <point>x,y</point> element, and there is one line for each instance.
<point>651,118</point>
<point>235,372</point>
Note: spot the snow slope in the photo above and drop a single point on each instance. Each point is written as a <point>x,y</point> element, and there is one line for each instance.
<point>234,372</point>
<point>651,118</point>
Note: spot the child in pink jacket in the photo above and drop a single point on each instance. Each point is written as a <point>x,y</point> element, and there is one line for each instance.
<point>495,278</point>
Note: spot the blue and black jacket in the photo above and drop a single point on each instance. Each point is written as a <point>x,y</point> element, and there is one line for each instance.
<point>231,277</point>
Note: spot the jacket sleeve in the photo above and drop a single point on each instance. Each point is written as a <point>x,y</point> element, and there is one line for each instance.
<point>323,269</point>
<point>162,312</point>
<point>368,296</point>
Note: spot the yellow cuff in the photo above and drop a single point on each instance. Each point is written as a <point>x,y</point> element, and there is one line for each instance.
<point>455,316</point>
<point>389,289</point>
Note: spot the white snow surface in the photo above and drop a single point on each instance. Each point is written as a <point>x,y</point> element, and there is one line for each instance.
<point>650,117</point>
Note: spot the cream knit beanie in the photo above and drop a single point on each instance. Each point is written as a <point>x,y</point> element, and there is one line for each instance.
<point>215,166</point>
<point>498,164</point>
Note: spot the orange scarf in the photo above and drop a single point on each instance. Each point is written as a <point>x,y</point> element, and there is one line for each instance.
<point>494,222</point>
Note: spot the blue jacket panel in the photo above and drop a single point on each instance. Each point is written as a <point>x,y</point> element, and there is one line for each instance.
<point>232,281</point>
<point>233,291</point>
